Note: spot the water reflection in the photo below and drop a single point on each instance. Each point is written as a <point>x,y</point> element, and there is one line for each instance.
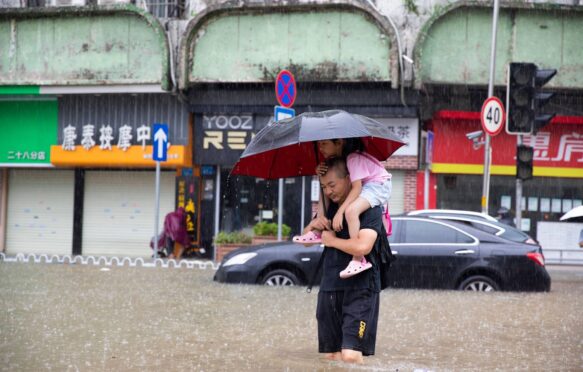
<point>73,317</point>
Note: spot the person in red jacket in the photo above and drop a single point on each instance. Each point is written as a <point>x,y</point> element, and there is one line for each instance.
<point>175,230</point>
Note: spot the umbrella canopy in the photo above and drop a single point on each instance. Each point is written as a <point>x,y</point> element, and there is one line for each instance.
<point>574,214</point>
<point>287,149</point>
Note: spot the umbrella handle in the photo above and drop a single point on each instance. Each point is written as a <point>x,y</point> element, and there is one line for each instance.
<point>317,153</point>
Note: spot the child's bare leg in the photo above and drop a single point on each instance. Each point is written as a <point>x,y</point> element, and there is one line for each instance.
<point>320,207</point>
<point>352,215</point>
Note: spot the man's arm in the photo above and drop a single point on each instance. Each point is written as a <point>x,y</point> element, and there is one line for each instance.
<point>359,246</point>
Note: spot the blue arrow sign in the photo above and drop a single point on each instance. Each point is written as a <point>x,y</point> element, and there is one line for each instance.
<point>160,148</point>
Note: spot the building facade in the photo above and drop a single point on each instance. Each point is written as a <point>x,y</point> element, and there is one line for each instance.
<point>207,69</point>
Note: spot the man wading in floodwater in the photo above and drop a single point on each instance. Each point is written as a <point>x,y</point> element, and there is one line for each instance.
<point>348,309</point>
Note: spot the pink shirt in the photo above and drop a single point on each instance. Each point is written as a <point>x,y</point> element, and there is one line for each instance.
<point>365,167</point>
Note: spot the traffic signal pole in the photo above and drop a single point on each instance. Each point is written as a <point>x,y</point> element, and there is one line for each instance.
<point>518,204</point>
<point>487,148</point>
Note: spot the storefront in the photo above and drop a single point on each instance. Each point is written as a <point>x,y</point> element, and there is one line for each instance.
<point>223,128</point>
<point>37,201</point>
<point>558,168</point>
<point>107,140</point>
<point>350,63</point>
<point>232,203</point>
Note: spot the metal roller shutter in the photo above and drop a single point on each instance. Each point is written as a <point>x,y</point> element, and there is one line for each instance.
<point>397,201</point>
<point>40,211</point>
<point>118,213</point>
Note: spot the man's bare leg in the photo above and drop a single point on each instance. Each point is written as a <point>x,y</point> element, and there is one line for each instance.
<point>352,356</point>
<point>334,356</point>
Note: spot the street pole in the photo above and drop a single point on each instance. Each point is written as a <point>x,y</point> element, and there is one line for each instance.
<point>518,204</point>
<point>303,207</point>
<point>487,149</point>
<point>426,188</point>
<point>279,209</point>
<point>157,212</point>
<point>217,207</point>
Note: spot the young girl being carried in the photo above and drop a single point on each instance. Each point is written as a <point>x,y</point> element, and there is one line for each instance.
<point>371,187</point>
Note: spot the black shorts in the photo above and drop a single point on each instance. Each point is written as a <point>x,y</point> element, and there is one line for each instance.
<point>347,320</point>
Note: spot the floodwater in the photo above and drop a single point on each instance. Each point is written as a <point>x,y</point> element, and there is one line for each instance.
<point>86,317</point>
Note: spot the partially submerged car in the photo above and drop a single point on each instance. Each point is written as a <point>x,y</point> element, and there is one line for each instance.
<point>431,253</point>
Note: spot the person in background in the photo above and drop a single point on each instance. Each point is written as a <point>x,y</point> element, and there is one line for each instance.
<point>504,216</point>
<point>175,231</point>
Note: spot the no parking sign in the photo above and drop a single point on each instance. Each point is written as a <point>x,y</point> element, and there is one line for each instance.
<point>285,88</point>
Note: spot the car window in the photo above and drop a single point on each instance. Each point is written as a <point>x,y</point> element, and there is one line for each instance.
<point>450,215</point>
<point>514,235</point>
<point>485,228</point>
<point>431,232</point>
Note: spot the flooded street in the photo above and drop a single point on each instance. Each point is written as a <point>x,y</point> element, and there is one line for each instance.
<point>86,317</point>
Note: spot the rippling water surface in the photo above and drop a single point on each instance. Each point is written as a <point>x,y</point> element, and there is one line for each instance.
<point>78,317</point>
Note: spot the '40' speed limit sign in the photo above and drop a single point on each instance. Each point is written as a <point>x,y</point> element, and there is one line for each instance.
<point>493,116</point>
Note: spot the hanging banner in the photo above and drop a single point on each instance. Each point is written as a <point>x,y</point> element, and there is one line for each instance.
<point>187,189</point>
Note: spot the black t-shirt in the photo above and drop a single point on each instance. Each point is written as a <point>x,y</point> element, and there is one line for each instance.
<point>336,260</point>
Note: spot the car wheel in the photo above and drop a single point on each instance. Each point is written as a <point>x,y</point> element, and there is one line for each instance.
<point>479,283</point>
<point>280,277</point>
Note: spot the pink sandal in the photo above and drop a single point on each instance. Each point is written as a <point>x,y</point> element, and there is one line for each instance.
<point>355,267</point>
<point>309,237</point>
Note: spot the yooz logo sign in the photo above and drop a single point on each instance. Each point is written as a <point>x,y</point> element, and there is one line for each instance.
<point>243,122</point>
<point>227,131</point>
<point>223,138</point>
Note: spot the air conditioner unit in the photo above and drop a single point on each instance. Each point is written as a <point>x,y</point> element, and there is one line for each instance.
<point>112,2</point>
<point>67,2</point>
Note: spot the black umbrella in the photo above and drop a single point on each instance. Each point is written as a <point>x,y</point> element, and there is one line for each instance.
<point>287,148</point>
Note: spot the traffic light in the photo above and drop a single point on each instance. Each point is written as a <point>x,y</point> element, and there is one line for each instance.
<point>543,76</point>
<point>524,158</point>
<point>523,99</point>
<point>520,94</point>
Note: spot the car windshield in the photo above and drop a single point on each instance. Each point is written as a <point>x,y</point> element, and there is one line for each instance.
<point>484,227</point>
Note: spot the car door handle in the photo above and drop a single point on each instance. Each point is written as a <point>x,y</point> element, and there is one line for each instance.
<point>465,251</point>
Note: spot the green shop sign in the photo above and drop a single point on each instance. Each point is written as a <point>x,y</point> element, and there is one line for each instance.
<point>29,128</point>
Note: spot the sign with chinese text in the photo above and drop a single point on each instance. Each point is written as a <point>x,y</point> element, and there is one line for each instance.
<point>102,146</point>
<point>187,197</point>
<point>407,129</point>
<point>29,128</point>
<point>558,149</point>
<point>104,137</point>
